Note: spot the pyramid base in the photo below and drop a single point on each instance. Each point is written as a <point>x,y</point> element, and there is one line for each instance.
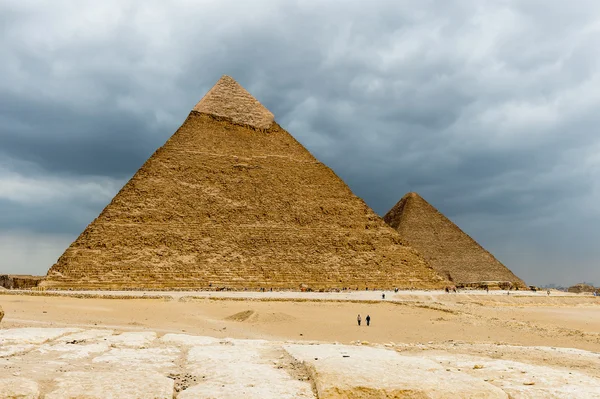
<point>492,285</point>
<point>229,286</point>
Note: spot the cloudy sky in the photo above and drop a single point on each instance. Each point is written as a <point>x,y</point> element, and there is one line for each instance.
<point>489,109</point>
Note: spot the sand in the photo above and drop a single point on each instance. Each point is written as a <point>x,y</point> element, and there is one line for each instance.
<point>288,345</point>
<point>571,321</point>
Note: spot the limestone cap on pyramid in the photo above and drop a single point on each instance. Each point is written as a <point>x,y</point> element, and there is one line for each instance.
<point>229,99</point>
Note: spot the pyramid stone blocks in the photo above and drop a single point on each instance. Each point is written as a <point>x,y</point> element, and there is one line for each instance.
<point>233,200</point>
<point>448,249</point>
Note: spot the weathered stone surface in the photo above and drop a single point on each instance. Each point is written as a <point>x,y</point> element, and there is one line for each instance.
<point>230,100</point>
<point>522,380</point>
<point>72,351</point>
<point>32,335</point>
<point>251,381</point>
<point>224,204</point>
<point>132,339</point>
<point>448,249</point>
<point>19,281</point>
<point>242,369</point>
<point>123,385</point>
<point>18,388</point>
<point>10,350</point>
<point>233,368</point>
<point>360,372</point>
<point>140,359</point>
<point>87,336</point>
<point>223,354</point>
<point>188,340</point>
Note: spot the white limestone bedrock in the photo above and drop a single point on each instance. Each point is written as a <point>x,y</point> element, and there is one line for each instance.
<point>188,340</point>
<point>239,369</point>
<point>349,371</point>
<point>87,336</point>
<point>71,351</point>
<point>10,350</point>
<point>16,387</point>
<point>521,380</point>
<point>140,359</point>
<point>78,361</point>
<point>103,385</point>
<point>132,339</point>
<point>32,335</point>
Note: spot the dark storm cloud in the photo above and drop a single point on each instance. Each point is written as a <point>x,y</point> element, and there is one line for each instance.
<point>61,140</point>
<point>44,219</point>
<point>487,108</point>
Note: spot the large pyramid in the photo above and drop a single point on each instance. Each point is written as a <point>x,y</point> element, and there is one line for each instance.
<point>451,251</point>
<point>233,200</point>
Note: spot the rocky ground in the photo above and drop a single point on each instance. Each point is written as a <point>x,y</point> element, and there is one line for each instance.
<point>299,345</point>
<point>101,363</point>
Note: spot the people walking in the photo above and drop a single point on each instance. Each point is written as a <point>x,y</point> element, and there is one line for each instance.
<point>368,319</point>
<point>359,319</point>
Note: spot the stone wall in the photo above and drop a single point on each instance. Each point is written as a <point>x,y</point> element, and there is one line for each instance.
<point>19,282</point>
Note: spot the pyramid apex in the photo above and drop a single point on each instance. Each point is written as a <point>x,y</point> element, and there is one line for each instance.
<point>411,196</point>
<point>227,98</point>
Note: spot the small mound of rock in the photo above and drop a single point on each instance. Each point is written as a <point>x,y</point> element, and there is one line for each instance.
<point>255,317</point>
<point>241,316</point>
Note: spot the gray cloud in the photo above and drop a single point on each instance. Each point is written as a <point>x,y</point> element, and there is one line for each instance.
<point>487,108</point>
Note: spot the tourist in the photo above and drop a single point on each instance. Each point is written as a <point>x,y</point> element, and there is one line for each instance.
<point>548,292</point>
<point>358,319</point>
<point>368,319</point>
<point>383,295</point>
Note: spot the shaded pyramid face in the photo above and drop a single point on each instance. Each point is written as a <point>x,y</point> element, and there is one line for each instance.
<point>448,249</point>
<point>233,200</point>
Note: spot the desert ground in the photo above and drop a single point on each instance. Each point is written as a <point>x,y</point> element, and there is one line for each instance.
<point>493,344</point>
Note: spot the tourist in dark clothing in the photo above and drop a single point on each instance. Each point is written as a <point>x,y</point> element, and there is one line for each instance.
<point>359,319</point>
<point>368,319</point>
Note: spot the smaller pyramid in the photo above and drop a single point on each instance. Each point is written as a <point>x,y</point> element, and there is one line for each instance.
<point>229,100</point>
<point>448,249</point>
